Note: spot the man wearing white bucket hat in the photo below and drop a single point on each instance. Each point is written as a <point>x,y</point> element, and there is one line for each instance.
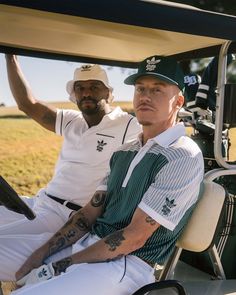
<point>90,135</point>
<point>85,73</point>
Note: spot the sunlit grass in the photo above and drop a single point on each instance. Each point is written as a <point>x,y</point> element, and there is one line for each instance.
<point>27,154</point>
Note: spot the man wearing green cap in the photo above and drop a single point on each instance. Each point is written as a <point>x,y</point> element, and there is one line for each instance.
<point>139,209</point>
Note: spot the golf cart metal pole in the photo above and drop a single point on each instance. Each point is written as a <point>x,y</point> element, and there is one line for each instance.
<point>220,92</point>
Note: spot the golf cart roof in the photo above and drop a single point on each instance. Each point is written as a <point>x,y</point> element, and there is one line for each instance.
<point>111,32</point>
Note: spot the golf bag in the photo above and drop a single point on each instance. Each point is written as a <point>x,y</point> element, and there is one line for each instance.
<point>203,135</point>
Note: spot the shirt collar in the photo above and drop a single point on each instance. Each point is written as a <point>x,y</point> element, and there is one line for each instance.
<point>169,136</point>
<point>115,112</point>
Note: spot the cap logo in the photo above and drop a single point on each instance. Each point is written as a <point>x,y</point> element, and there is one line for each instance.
<point>86,68</point>
<point>151,64</point>
<point>190,80</point>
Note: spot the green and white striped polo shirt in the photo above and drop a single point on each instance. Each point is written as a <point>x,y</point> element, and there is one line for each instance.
<point>163,179</point>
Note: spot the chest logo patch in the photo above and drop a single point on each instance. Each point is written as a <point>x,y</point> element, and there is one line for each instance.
<point>100,145</point>
<point>168,206</point>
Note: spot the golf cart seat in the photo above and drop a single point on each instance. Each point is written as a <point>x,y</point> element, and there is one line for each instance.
<point>198,236</point>
<point>199,233</point>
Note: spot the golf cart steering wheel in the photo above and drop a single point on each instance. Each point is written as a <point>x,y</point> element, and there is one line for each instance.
<point>11,200</point>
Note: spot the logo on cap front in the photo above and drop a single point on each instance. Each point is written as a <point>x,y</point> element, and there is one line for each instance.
<point>151,64</point>
<point>190,80</point>
<point>86,68</point>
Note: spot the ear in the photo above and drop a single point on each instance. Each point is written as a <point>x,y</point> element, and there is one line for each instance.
<point>180,101</point>
<point>107,96</point>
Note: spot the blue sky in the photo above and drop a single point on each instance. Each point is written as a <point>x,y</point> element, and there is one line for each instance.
<point>48,79</point>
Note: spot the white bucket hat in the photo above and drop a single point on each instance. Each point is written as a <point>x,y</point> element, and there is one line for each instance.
<point>88,72</point>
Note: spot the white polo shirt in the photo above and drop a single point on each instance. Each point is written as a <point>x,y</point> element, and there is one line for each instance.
<point>85,153</point>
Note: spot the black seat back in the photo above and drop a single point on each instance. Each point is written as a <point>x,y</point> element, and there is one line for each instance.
<point>230,105</point>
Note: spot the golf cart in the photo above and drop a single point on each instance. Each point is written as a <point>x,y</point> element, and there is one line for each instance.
<point>122,33</point>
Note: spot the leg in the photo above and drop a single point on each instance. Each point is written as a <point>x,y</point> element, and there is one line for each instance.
<point>19,239</point>
<point>116,278</point>
<point>44,222</point>
<point>49,218</point>
<point>7,216</point>
<point>15,249</point>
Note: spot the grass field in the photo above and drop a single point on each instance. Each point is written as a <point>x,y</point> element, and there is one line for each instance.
<point>28,152</point>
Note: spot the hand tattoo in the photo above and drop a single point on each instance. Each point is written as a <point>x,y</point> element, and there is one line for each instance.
<point>98,199</point>
<point>114,240</point>
<point>61,266</point>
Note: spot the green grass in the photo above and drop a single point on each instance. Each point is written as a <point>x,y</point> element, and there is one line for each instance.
<point>28,152</point>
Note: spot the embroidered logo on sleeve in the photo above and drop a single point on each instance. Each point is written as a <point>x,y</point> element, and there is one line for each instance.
<point>100,145</point>
<point>168,206</point>
<point>43,273</point>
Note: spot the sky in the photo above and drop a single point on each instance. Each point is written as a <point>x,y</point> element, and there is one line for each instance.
<point>48,79</point>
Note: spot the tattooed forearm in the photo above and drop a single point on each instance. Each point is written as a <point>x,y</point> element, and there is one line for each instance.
<point>55,246</point>
<point>114,240</point>
<point>82,223</point>
<point>98,199</point>
<point>69,234</point>
<point>150,220</point>
<point>61,266</point>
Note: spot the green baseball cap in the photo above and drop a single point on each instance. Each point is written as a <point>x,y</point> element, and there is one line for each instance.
<point>164,68</point>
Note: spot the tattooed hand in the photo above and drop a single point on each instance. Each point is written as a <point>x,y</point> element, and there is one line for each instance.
<point>61,266</point>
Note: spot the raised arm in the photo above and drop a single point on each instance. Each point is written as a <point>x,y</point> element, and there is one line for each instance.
<point>75,228</point>
<point>43,114</point>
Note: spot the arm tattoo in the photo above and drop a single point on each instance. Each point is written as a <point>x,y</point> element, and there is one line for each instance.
<point>66,238</point>
<point>114,240</point>
<point>150,220</point>
<point>71,234</point>
<point>98,199</point>
<point>54,247</point>
<point>82,223</point>
<point>61,265</point>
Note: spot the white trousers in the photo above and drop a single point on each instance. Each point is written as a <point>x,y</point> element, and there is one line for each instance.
<point>7,216</point>
<point>120,277</point>
<point>50,215</point>
<point>19,237</point>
